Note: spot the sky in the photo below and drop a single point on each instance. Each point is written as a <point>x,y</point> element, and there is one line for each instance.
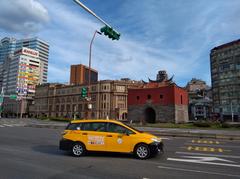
<point>171,35</point>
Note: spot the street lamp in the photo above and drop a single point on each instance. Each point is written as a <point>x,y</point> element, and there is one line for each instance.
<point>89,66</point>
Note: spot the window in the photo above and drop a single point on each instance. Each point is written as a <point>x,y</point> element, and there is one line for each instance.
<point>115,128</point>
<point>149,96</point>
<point>138,97</point>
<point>181,99</point>
<point>74,126</point>
<point>161,96</point>
<point>94,126</point>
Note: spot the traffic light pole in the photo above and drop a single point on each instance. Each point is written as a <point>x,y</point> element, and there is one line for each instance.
<point>90,60</point>
<point>92,13</point>
<point>89,68</point>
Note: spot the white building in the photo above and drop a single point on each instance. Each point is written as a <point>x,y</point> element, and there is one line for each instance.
<point>21,72</point>
<point>9,45</point>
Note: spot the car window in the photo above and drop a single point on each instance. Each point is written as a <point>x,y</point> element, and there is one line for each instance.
<point>94,126</point>
<point>118,129</point>
<point>74,126</point>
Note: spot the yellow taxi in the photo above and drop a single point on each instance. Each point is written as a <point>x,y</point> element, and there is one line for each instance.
<point>81,136</point>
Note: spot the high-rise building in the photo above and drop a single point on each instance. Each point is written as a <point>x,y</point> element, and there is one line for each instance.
<point>225,74</point>
<point>9,45</point>
<point>7,48</point>
<point>21,72</point>
<point>79,74</point>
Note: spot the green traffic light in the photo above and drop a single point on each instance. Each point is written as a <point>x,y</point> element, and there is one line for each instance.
<point>110,32</point>
<point>84,92</point>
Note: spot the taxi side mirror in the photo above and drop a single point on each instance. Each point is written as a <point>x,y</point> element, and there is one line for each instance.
<point>126,133</point>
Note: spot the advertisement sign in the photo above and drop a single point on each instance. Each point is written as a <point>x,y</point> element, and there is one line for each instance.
<point>31,52</point>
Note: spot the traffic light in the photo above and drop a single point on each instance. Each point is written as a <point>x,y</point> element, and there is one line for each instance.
<point>110,32</point>
<point>84,92</point>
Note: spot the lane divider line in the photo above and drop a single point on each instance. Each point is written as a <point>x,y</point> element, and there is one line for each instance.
<point>198,171</point>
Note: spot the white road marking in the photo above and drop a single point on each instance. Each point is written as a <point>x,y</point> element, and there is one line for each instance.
<point>165,138</point>
<point>7,125</point>
<point>12,125</point>
<point>212,155</point>
<point>198,171</point>
<point>202,162</point>
<point>208,159</point>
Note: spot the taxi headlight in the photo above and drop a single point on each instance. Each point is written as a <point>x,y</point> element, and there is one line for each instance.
<point>155,140</point>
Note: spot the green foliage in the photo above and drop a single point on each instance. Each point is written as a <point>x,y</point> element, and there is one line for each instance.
<point>202,124</point>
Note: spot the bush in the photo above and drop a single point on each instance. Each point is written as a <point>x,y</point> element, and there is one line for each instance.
<point>60,119</point>
<point>43,118</point>
<point>202,124</point>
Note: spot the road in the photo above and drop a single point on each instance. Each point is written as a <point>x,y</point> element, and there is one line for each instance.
<point>28,152</point>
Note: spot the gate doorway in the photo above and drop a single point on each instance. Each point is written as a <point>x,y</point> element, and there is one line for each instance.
<point>150,115</point>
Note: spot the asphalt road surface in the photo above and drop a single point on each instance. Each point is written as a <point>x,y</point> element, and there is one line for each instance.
<point>27,152</point>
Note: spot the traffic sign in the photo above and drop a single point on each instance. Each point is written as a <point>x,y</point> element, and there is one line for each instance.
<point>13,96</point>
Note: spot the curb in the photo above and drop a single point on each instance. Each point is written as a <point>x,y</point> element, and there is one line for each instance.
<point>201,135</point>
<point>160,134</point>
<point>45,126</point>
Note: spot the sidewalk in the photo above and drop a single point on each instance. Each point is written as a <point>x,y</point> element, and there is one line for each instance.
<point>198,133</point>
<point>171,132</point>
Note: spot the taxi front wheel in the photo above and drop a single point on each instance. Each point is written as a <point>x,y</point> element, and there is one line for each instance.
<point>78,149</point>
<point>142,151</point>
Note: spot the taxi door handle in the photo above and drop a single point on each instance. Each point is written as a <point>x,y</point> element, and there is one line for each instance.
<point>109,135</point>
<point>84,133</point>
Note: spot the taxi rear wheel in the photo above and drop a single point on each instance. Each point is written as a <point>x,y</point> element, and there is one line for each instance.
<point>142,151</point>
<point>78,149</point>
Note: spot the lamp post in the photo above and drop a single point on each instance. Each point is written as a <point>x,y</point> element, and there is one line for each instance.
<point>89,68</point>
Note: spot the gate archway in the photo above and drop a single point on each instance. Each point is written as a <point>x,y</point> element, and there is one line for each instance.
<point>150,115</point>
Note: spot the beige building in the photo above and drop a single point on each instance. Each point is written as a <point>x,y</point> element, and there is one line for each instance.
<point>108,99</point>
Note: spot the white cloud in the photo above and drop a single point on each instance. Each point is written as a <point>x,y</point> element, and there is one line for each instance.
<point>22,16</point>
<point>161,36</point>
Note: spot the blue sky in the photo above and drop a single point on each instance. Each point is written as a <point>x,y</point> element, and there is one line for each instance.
<point>172,35</point>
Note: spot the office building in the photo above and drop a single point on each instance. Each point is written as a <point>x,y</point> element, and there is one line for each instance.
<point>21,74</point>
<point>9,45</point>
<point>225,75</point>
<point>79,74</point>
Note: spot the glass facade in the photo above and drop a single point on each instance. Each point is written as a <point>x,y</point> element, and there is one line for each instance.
<point>9,45</point>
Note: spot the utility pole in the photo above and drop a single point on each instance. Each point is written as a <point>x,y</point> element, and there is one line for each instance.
<point>1,102</point>
<point>232,112</point>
